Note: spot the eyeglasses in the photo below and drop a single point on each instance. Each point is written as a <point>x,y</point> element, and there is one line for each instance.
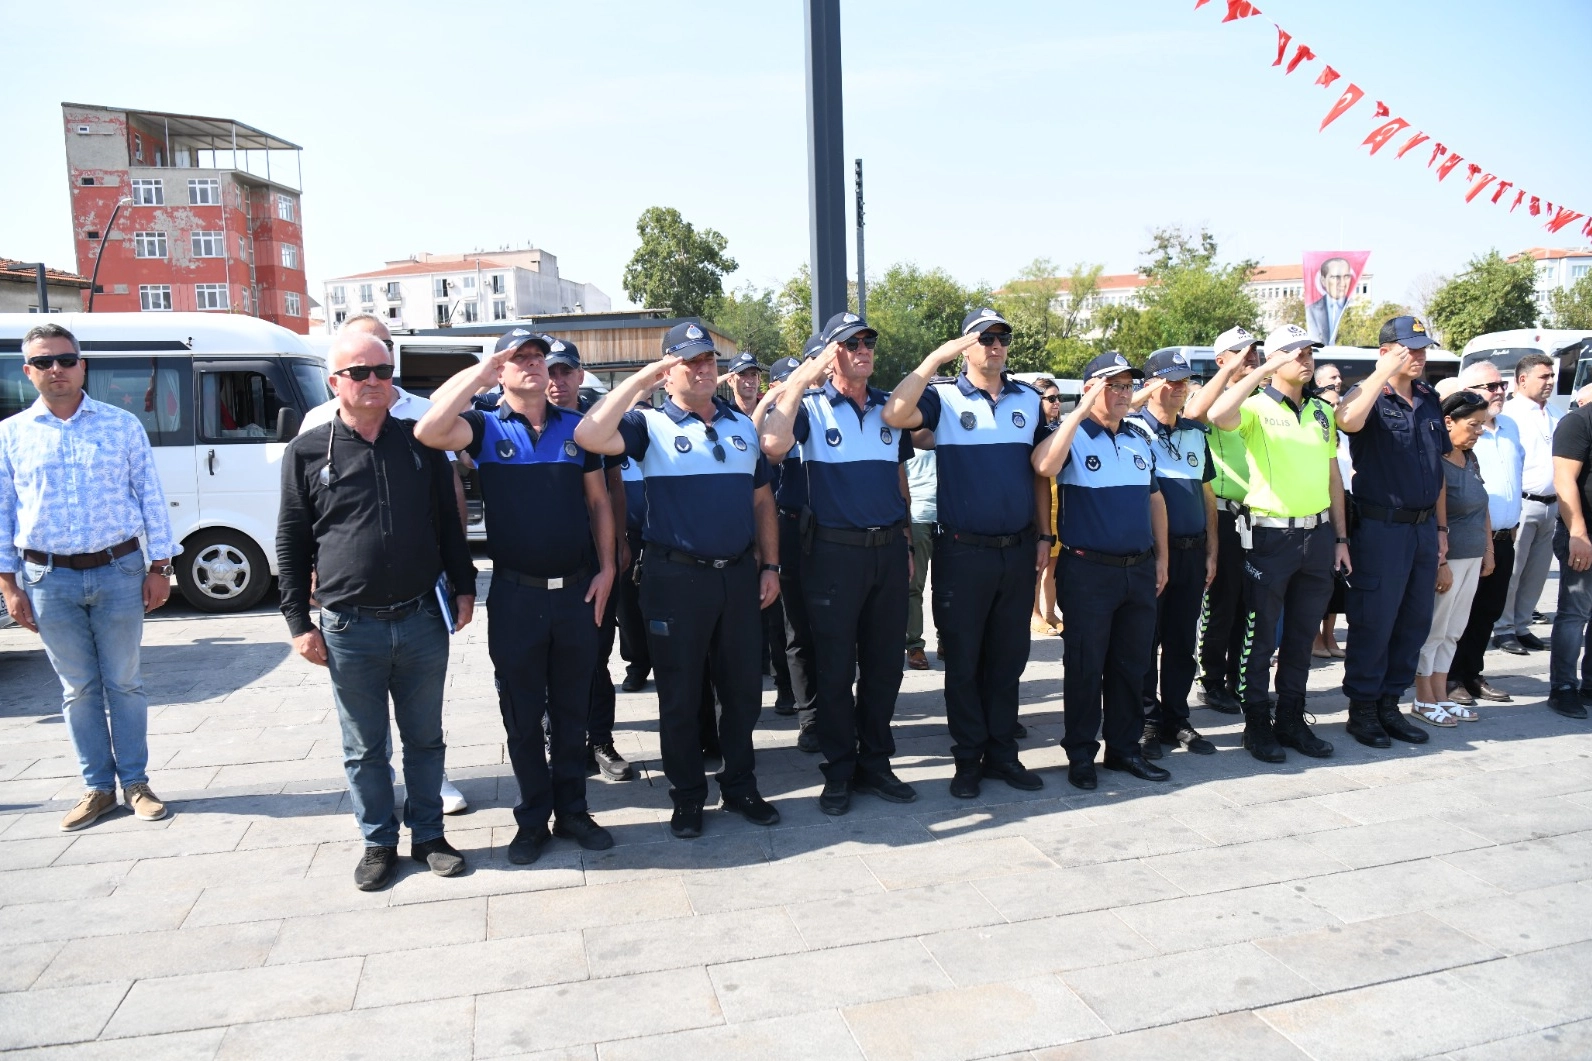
<point>1120,388</point>
<point>360,373</point>
<point>43,364</point>
<point>713,437</point>
<point>990,338</point>
<point>1491,388</point>
<point>864,342</point>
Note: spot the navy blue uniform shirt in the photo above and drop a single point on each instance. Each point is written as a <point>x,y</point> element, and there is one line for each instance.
<point>852,458</point>
<point>1105,489</point>
<point>635,494</point>
<point>790,492</point>
<point>1182,467</point>
<point>1397,453</point>
<point>984,446</point>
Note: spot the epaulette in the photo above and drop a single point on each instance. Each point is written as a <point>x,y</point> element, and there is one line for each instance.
<point>1137,426</point>
<point>941,379</point>
<point>1022,383</point>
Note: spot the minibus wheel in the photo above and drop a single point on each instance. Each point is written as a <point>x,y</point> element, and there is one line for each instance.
<point>222,570</point>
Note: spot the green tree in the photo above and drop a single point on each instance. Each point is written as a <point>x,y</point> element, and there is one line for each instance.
<point>1491,295</point>
<point>752,319</point>
<point>1571,307</point>
<point>1189,299</point>
<point>795,305</point>
<point>676,267</point>
<point>915,310</point>
<point>1362,322</point>
<point>1048,315</point>
<point>1291,310</point>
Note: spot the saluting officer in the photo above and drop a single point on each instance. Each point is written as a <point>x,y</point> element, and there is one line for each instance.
<point>710,516</point>
<point>1183,472</point>
<point>1397,438</point>
<point>1222,617</point>
<point>1296,528</point>
<point>550,533</point>
<point>988,551</point>
<point>855,562</point>
<point>1114,563</point>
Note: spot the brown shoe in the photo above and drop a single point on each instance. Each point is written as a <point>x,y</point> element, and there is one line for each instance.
<point>89,810</point>
<point>143,802</point>
<point>917,660</point>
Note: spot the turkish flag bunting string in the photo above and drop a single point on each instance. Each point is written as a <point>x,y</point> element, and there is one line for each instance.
<point>1477,180</point>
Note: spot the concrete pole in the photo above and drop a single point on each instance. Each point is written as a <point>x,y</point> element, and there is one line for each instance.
<point>826,175</point>
<point>862,270</point>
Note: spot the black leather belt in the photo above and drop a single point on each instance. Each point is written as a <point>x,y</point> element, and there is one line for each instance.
<point>1394,515</point>
<point>1541,499</point>
<point>871,538</point>
<point>561,582</point>
<point>988,541</point>
<point>81,561</point>
<point>1195,542</point>
<point>677,557</point>
<point>1112,561</point>
<point>391,612</point>
<point>1504,535</point>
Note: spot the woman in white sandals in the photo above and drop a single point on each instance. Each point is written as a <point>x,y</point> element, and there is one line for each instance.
<point>1470,556</point>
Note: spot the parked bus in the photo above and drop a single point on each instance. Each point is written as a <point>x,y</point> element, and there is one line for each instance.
<point>1571,352</point>
<point>1355,362</point>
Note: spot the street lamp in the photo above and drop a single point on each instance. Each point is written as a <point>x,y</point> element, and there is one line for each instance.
<point>99,255</point>
<point>38,272</point>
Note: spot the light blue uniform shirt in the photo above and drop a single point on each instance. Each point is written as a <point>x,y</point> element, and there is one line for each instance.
<point>1503,462</point>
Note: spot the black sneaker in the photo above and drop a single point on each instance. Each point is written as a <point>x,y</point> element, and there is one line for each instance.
<point>1192,741</point>
<point>807,740</point>
<point>584,830</point>
<point>784,702</point>
<point>1567,702</point>
<point>1016,775</point>
<point>376,868</point>
<point>610,763</point>
<point>526,847</point>
<point>686,822</point>
<point>886,785</point>
<point>439,856</point>
<point>1021,732</point>
<point>1218,699</point>
<point>634,683</point>
<point>752,807</point>
<point>965,784</point>
<point>835,799</point>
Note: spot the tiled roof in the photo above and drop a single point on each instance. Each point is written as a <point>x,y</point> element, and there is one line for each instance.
<point>435,265</point>
<point>12,269</point>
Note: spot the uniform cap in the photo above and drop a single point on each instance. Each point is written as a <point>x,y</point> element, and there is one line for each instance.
<point>1169,365</point>
<point>981,319</point>
<point>813,346</point>
<point>513,340</point>
<point>780,371</point>
<point>562,352</point>
<point>843,326</point>
<point>745,361</point>
<point>1109,363</point>
<point>687,340</point>
<point>1234,339</point>
<point>1289,337</point>
<point>1408,332</point>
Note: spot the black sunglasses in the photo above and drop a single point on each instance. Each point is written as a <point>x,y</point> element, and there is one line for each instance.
<point>1050,398</point>
<point>64,360</point>
<point>1493,387</point>
<point>360,373</point>
<point>988,338</point>
<point>866,342</point>
<point>713,437</point>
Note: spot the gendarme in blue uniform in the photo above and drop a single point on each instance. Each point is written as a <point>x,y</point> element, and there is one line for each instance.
<point>852,459</point>
<point>1105,490</point>
<point>1182,467</point>
<point>696,503</point>
<point>1397,453</point>
<point>984,446</point>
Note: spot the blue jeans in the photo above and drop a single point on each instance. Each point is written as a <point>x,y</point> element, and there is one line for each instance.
<point>1570,620</point>
<point>91,623</point>
<point>407,659</point>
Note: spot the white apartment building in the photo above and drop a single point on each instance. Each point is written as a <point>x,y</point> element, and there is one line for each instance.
<point>447,290</point>
<point>1271,286</point>
<point>1556,270</point>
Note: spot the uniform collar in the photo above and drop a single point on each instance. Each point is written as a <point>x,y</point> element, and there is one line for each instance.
<point>1094,428</point>
<point>721,409</point>
<point>969,388</point>
<point>1282,399</point>
<point>874,395</point>
<point>1182,423</point>
<point>554,413</point>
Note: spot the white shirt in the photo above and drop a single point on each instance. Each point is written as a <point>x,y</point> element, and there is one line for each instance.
<point>407,407</point>
<point>1536,424</point>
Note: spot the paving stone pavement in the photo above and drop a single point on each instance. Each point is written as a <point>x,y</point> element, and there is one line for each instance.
<point>1412,903</point>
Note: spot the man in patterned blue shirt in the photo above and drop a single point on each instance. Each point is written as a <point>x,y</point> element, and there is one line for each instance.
<point>78,488</point>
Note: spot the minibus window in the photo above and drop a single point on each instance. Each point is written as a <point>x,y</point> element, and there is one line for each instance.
<point>238,405</point>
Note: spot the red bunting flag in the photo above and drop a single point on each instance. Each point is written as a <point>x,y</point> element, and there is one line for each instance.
<point>1328,76</point>
<point>1503,186</point>
<point>1414,141</point>
<point>1586,229</point>
<point>1519,197</point>
<point>1382,134</point>
<point>1200,3</point>
<point>1381,110</point>
<point>1448,167</point>
<point>1536,206</point>
<point>1283,37</point>
<point>1471,171</point>
<point>1304,54</point>
<point>1237,9</point>
<point>1350,97</point>
<point>1479,186</point>
<point>1564,217</point>
<point>1437,149</point>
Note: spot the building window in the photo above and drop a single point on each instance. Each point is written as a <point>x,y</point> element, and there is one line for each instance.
<point>290,302</point>
<point>285,209</point>
<point>248,303</point>
<point>149,244</point>
<point>339,316</point>
<point>149,191</point>
<point>395,292</point>
<point>497,284</point>
<point>337,298</point>
<point>1578,271</point>
<point>394,313</point>
<point>469,283</point>
<point>138,148</point>
<point>443,316</point>
<point>204,192</point>
<point>366,296</point>
<point>210,296</point>
<point>440,288</point>
<point>209,245</point>
<point>470,313</point>
<point>243,248</point>
<point>290,256</point>
<point>154,297</point>
<point>500,310</point>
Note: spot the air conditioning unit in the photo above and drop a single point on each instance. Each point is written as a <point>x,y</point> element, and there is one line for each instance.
<point>83,130</point>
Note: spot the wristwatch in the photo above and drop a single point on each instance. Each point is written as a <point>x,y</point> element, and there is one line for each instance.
<point>1051,538</point>
<point>164,570</point>
<point>772,567</point>
<point>1341,541</point>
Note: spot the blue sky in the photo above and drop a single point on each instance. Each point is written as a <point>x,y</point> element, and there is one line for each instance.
<point>992,134</point>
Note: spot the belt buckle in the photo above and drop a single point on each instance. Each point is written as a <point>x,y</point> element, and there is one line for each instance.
<point>719,565</point>
<point>555,583</point>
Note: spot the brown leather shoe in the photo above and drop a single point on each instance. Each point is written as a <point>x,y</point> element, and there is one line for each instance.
<point>143,802</point>
<point>1486,690</point>
<point>89,810</point>
<point>917,660</point>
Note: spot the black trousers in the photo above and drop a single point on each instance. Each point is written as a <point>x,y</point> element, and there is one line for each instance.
<point>543,645</point>
<point>774,642</point>
<point>632,627</point>
<point>1222,617</point>
<point>1492,592</point>
<point>1110,614</point>
<point>799,660</point>
<point>856,597</point>
<point>704,617</point>
<point>1176,630</point>
<point>982,601</point>
<point>1390,604</point>
<point>1287,573</point>
<point>600,721</point>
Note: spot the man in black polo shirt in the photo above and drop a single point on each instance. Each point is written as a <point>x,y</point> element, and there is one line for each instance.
<point>371,513</point>
<point>550,533</point>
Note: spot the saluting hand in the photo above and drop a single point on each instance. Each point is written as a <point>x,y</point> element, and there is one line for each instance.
<point>951,349</point>
<point>1393,362</point>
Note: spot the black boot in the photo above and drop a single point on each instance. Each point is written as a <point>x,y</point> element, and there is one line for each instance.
<point>1151,742</point>
<point>1393,721</point>
<point>1293,732</point>
<point>1364,727</point>
<point>1258,736</point>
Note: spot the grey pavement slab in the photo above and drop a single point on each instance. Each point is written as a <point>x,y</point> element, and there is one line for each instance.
<point>620,1007</point>
<point>810,1037</point>
<point>1231,1035</point>
<point>762,988</point>
<point>1168,988</point>
<point>426,1031</point>
<point>1339,957</point>
<point>216,999</point>
<point>463,969</point>
<point>972,1021</point>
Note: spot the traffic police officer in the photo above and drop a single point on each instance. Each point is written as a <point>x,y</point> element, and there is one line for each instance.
<point>1114,561</point>
<point>710,516</point>
<point>1222,618</point>
<point>1293,513</point>
<point>988,551</point>
<point>547,507</point>
<point>855,562</point>
<point>1182,474</point>
<point>1397,438</point>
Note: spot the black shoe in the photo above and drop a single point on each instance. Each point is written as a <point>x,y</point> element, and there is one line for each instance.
<point>1460,695</point>
<point>1021,732</point>
<point>752,807</point>
<point>1364,726</point>
<point>835,799</point>
<point>1533,642</point>
<point>1220,700</point>
<point>1192,741</point>
<point>886,785</point>
<point>965,784</point>
<point>376,868</point>
<point>1511,645</point>
<point>1016,775</point>
<point>1135,765</point>
<point>686,822</point>
<point>1150,743</point>
<point>1391,715</point>
<point>1082,775</point>
<point>784,702</point>
<point>1586,695</point>
<point>439,856</point>
<point>1293,731</point>
<point>526,847</point>
<point>634,683</point>
<point>807,740</point>
<point>1567,702</point>
<point>1259,737</point>
<point>1488,691</point>
<point>610,763</point>
<point>1538,617</point>
<point>584,830</point>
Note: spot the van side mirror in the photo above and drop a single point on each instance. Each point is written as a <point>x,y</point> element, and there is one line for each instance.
<point>287,424</point>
